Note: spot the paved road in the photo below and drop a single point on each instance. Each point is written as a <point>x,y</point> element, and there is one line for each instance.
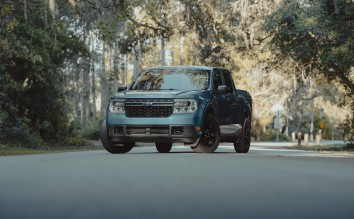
<point>269,182</point>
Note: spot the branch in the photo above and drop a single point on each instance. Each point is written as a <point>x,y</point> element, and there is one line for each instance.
<point>161,24</point>
<point>264,38</point>
<point>312,97</point>
<point>145,25</point>
<point>346,81</point>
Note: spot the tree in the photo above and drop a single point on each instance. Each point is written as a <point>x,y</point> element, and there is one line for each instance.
<point>319,35</point>
<point>32,57</point>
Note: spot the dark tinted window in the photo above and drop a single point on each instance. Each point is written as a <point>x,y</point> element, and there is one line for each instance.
<point>228,80</point>
<point>217,80</point>
<point>172,79</point>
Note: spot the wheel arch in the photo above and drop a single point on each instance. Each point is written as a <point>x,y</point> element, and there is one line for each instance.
<point>210,109</point>
<point>248,113</point>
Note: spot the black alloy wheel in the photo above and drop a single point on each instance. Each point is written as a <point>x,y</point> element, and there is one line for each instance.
<point>210,138</point>
<point>243,144</point>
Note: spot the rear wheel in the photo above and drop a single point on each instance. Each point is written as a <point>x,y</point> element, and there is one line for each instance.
<point>114,148</point>
<point>210,138</point>
<point>243,144</point>
<point>163,147</point>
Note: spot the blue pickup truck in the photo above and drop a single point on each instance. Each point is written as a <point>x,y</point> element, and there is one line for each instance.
<point>197,106</point>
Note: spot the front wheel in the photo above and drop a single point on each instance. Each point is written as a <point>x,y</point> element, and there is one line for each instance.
<point>210,138</point>
<point>163,147</point>
<point>243,144</point>
<point>124,148</point>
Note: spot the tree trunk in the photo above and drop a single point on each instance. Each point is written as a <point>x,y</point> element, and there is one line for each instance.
<point>77,94</point>
<point>25,10</point>
<point>46,19</point>
<point>93,81</point>
<point>181,47</point>
<point>121,70</point>
<point>93,90</point>
<point>104,83</point>
<point>163,52</point>
<point>115,68</point>
<point>86,81</point>
<point>125,79</point>
<point>52,8</point>
<point>245,39</point>
<point>137,58</point>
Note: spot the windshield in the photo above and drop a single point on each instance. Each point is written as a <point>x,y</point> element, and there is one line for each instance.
<point>172,79</point>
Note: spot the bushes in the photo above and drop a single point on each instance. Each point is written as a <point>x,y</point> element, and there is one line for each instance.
<point>76,141</point>
<point>271,135</point>
<point>268,135</point>
<point>348,130</point>
<point>21,135</point>
<point>79,136</point>
<point>92,131</point>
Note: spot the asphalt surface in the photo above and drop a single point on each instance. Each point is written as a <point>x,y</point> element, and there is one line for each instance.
<point>268,182</point>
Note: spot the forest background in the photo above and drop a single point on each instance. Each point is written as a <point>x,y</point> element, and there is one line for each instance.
<point>61,60</point>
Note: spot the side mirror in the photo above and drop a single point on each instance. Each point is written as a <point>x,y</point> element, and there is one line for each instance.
<point>122,89</point>
<point>223,89</point>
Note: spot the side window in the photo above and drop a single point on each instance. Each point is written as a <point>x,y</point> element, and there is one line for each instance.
<point>228,80</point>
<point>217,80</point>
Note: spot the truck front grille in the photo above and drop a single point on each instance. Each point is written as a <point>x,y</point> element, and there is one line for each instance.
<point>148,107</point>
<point>148,111</point>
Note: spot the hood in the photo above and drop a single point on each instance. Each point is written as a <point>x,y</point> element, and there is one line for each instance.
<point>156,94</point>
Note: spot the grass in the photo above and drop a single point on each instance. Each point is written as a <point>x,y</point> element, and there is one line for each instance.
<point>6,150</point>
<point>334,148</point>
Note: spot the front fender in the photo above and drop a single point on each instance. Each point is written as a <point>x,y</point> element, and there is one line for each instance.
<point>208,108</point>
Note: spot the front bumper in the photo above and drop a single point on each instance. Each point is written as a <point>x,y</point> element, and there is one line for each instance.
<point>182,128</point>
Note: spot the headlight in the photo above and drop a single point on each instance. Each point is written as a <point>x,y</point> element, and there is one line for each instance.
<point>116,106</point>
<point>185,106</point>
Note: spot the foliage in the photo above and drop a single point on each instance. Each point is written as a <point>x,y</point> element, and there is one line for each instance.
<point>76,141</point>
<point>33,50</point>
<point>348,130</point>
<point>22,135</point>
<point>268,135</point>
<point>92,131</point>
<point>319,36</point>
<point>271,135</point>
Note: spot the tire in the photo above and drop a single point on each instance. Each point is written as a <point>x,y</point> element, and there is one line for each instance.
<point>163,147</point>
<point>125,148</point>
<point>243,144</point>
<point>112,148</point>
<point>210,138</point>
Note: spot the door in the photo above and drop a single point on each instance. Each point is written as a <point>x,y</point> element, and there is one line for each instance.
<point>220,100</point>
<point>234,104</point>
